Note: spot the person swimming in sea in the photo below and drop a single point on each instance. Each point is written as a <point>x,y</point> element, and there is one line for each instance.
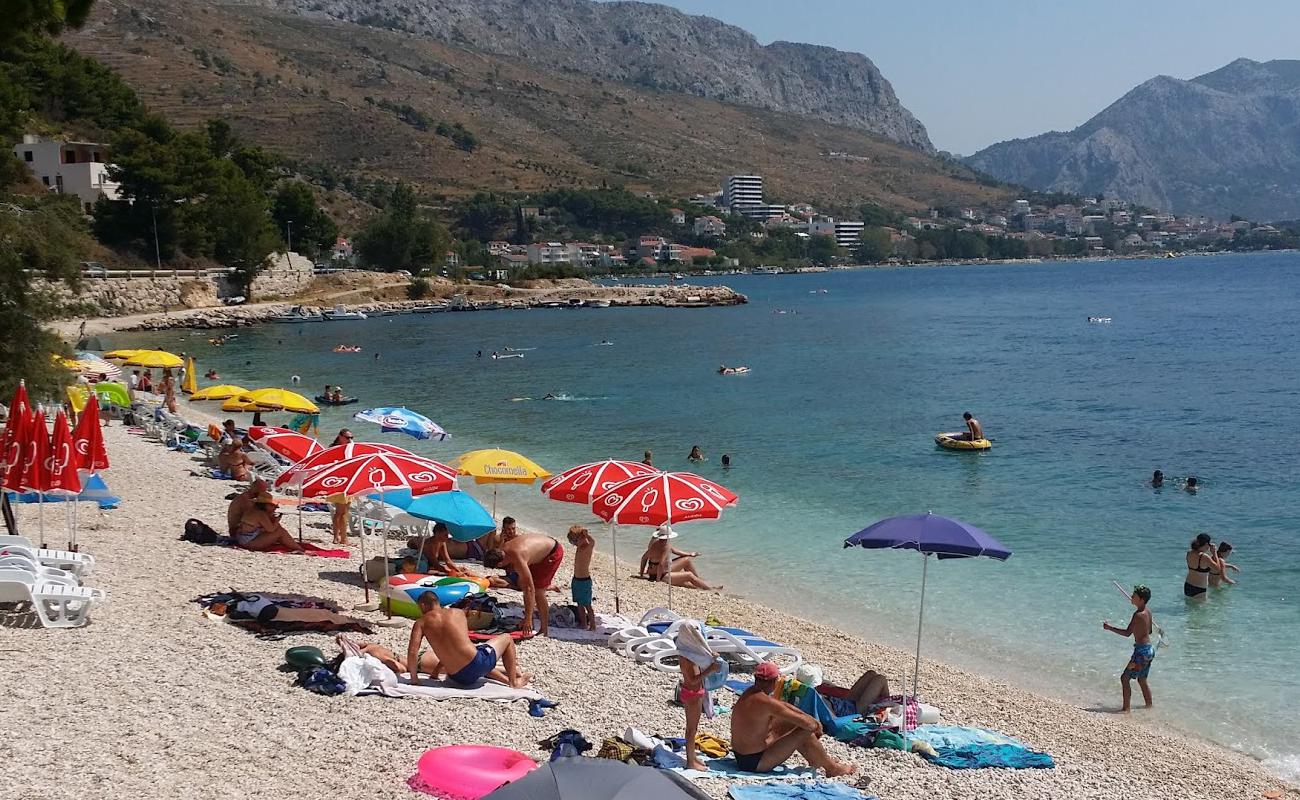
<point>726,461</point>
<point>1157,479</point>
<point>696,454</point>
<point>1191,485</point>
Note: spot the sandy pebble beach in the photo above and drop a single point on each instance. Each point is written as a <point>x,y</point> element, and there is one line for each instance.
<point>152,699</point>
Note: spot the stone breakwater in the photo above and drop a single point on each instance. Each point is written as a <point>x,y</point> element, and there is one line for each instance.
<point>621,297</point>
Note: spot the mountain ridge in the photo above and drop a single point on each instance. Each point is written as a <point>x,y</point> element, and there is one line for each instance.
<point>1226,142</point>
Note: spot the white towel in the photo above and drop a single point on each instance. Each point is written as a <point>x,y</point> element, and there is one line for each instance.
<point>606,624</point>
<point>442,690</point>
<point>691,645</point>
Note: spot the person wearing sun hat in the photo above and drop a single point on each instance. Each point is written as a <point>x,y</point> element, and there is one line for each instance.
<point>765,731</point>
<point>260,528</point>
<point>663,562</point>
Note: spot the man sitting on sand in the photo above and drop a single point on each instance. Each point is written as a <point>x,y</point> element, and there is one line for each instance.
<point>260,529</point>
<point>530,561</point>
<point>447,633</point>
<point>243,503</point>
<point>765,731</point>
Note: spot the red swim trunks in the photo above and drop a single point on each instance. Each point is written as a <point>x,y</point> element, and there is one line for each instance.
<point>544,571</point>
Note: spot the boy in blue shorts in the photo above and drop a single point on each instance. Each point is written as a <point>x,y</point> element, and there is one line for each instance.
<point>583,546</point>
<point>1139,627</point>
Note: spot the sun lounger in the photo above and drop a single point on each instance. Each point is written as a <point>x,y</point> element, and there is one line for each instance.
<point>52,574</point>
<point>57,605</point>
<point>79,564</point>
<point>653,642</point>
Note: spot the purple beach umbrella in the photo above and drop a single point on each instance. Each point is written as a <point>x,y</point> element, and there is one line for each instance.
<point>930,535</point>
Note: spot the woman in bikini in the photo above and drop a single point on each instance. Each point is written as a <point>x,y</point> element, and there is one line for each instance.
<point>260,529</point>
<point>1201,563</point>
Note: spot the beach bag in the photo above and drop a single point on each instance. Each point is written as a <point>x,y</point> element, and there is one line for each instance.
<point>199,532</point>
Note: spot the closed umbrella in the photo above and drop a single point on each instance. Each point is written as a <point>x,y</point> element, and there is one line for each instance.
<point>11,442</point>
<point>33,475</point>
<point>931,535</point>
<point>663,498</point>
<point>63,479</point>
<point>578,778</point>
<point>191,383</point>
<point>583,483</point>
<point>395,419</point>
<point>88,439</point>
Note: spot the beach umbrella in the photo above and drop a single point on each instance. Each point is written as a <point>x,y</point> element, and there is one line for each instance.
<point>663,499</point>
<point>92,366</point>
<point>113,394</point>
<point>583,483</point>
<point>122,355</point>
<point>580,778</point>
<point>392,419</point>
<point>931,535</point>
<point>63,479</point>
<point>154,359</point>
<point>465,517</point>
<point>33,475</point>
<point>240,404</point>
<point>11,442</point>
<point>378,472</point>
<point>284,442</point>
<point>191,383</point>
<point>499,466</point>
<point>327,456</point>
<point>88,439</point>
<point>223,391</point>
<point>271,399</point>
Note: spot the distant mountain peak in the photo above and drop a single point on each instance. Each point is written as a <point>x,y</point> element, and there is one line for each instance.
<point>1222,143</point>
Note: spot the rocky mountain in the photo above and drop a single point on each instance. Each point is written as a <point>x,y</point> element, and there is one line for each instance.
<point>1227,142</point>
<point>651,46</point>
<point>371,101</point>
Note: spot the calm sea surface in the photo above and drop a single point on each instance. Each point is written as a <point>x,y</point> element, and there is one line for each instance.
<point>1199,373</point>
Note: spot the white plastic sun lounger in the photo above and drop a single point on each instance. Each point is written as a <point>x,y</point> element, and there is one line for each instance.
<point>78,563</point>
<point>653,642</point>
<point>52,574</point>
<point>57,605</point>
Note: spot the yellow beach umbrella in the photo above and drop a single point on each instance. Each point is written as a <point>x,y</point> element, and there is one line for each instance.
<point>191,383</point>
<point>122,355</point>
<point>223,391</point>
<point>77,397</point>
<point>280,400</point>
<point>241,402</point>
<point>499,466</point>
<point>154,359</point>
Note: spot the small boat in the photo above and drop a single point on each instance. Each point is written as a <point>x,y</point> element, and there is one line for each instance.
<point>507,355</point>
<point>958,441</point>
<point>433,309</point>
<point>298,314</point>
<point>575,303</point>
<point>677,276</point>
<point>330,401</point>
<point>766,271</point>
<point>1102,320</point>
<point>346,348</point>
<point>598,304</point>
<point>341,313</point>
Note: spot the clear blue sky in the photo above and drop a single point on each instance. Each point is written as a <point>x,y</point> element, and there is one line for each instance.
<point>979,72</point>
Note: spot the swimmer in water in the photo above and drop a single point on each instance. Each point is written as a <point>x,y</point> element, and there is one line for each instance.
<point>1191,485</point>
<point>696,454</point>
<point>726,461</point>
<point>294,379</point>
<point>1157,479</point>
<point>549,396</point>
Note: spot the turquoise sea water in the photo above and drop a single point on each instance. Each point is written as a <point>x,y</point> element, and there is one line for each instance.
<point>1199,373</point>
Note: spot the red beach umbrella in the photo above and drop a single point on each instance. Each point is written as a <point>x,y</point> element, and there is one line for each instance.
<point>33,476</point>
<point>585,482</point>
<point>61,465</point>
<point>377,472</point>
<point>15,449</point>
<point>284,442</point>
<point>20,408</point>
<point>663,498</point>
<point>327,456</point>
<point>88,438</point>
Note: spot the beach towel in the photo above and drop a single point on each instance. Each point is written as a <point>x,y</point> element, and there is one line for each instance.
<point>691,645</point>
<point>803,790</point>
<point>606,625</point>
<point>726,768</point>
<point>976,748</point>
<point>312,550</point>
<point>431,689</point>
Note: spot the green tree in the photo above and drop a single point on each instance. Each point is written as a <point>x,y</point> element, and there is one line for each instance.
<point>482,216</point>
<point>401,237</point>
<point>300,220</point>
<point>41,17</point>
<point>875,245</point>
<point>822,249</point>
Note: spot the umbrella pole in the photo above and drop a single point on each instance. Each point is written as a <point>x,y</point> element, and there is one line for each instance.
<point>365,581</point>
<point>668,556</point>
<point>920,619</point>
<point>613,537</point>
<point>40,516</point>
<point>388,607</point>
<point>300,513</point>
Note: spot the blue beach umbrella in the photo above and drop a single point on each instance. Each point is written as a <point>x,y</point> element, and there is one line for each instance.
<point>465,517</point>
<point>391,419</point>
<point>930,535</point>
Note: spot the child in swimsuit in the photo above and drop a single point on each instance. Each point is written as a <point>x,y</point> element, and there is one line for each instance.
<point>693,696</point>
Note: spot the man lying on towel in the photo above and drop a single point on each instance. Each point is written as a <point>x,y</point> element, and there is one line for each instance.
<point>447,633</point>
<point>765,732</point>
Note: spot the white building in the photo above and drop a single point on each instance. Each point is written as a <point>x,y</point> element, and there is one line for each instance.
<point>761,212</point>
<point>846,234</point>
<point>1020,207</point>
<point>742,190</point>
<point>77,168</point>
<point>549,253</point>
<point>710,225</point>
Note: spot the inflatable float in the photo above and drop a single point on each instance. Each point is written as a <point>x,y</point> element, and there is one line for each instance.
<point>402,592</point>
<point>468,771</point>
<point>957,441</point>
<point>330,401</point>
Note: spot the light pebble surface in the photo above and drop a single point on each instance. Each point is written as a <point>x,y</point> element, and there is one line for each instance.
<point>154,700</point>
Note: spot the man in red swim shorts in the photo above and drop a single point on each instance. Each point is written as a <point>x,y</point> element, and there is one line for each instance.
<point>530,561</point>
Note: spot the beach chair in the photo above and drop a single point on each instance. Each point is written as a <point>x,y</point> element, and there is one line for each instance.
<point>56,604</point>
<point>653,642</point>
<point>49,573</point>
<point>80,564</point>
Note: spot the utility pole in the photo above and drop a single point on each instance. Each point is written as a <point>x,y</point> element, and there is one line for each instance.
<point>157,251</point>
<point>288,236</point>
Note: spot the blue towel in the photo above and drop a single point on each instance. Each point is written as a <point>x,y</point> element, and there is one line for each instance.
<point>975,748</point>
<point>804,790</point>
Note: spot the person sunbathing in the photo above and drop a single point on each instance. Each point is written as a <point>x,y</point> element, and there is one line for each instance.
<point>446,631</point>
<point>234,460</point>
<point>260,529</point>
<point>662,562</point>
<point>765,731</point>
<point>870,688</point>
<point>530,561</point>
<point>439,552</point>
<point>242,503</point>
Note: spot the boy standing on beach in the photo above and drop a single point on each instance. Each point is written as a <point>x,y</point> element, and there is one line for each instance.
<point>581,587</point>
<point>1139,627</point>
